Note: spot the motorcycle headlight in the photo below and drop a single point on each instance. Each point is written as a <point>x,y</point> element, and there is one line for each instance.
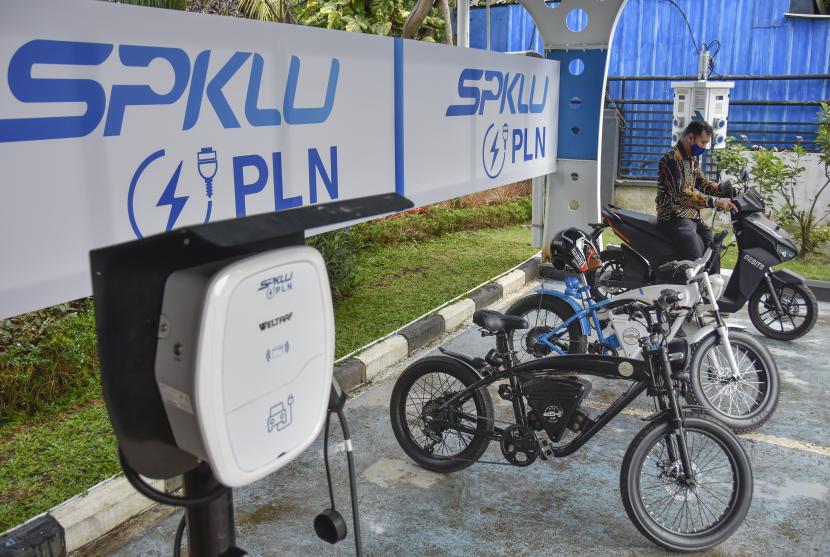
<point>785,253</point>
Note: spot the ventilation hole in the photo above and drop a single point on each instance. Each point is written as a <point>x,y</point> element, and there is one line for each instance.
<point>575,130</point>
<point>574,176</point>
<point>576,102</point>
<point>577,20</point>
<point>573,205</point>
<point>576,66</point>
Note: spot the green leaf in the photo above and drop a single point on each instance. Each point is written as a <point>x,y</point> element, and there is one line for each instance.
<point>381,28</point>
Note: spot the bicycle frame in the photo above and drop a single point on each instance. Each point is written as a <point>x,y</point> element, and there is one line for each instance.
<point>642,374</point>
<point>588,316</point>
<point>578,289</point>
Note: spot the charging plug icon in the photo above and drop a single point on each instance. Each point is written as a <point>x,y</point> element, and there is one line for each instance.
<point>207,165</point>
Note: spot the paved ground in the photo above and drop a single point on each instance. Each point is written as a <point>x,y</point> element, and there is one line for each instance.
<point>568,507</point>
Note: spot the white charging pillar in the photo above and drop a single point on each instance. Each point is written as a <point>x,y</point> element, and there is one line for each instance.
<point>578,34</point>
<point>706,101</point>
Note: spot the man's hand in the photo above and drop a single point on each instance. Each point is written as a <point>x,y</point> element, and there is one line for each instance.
<point>725,204</point>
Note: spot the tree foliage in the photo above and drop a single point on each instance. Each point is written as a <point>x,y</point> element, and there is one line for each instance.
<point>378,17</point>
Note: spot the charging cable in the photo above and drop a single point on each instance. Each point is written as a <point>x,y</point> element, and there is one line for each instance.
<point>329,525</point>
<point>347,441</point>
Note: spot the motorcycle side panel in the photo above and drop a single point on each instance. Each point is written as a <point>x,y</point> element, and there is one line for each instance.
<point>752,265</point>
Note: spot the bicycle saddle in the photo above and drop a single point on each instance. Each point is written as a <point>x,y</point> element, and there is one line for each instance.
<point>494,321</point>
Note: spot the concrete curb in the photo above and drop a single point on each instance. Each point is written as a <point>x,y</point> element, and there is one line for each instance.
<point>96,512</point>
<point>81,519</point>
<point>821,288</point>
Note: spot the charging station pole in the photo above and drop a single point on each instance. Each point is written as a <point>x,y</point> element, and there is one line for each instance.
<point>128,283</point>
<point>211,529</point>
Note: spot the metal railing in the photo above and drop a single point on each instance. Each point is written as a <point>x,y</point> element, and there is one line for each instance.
<point>645,130</point>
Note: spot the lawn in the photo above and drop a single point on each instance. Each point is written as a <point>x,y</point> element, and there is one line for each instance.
<point>65,449</point>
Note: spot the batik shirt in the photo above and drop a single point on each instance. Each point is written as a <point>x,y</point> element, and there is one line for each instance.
<point>682,189</point>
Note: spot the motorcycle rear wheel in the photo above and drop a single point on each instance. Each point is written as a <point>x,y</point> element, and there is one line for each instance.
<point>613,263</point>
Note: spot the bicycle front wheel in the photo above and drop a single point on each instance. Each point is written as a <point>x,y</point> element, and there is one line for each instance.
<point>676,514</point>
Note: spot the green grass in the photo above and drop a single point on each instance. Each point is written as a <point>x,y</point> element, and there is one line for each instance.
<point>52,459</point>
<point>814,266</point>
<point>401,282</point>
<point>66,447</point>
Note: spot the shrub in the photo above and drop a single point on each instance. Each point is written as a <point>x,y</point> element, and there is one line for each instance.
<point>339,249</point>
<point>46,355</point>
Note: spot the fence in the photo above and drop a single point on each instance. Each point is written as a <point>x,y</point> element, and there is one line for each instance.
<point>645,130</point>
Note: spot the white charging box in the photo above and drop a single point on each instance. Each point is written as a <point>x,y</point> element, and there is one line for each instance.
<point>244,360</point>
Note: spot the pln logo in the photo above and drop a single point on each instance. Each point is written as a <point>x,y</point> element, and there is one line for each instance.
<point>165,190</point>
<point>494,150</point>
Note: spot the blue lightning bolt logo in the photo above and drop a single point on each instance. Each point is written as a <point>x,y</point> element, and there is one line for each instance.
<point>498,151</point>
<point>495,150</point>
<point>168,197</point>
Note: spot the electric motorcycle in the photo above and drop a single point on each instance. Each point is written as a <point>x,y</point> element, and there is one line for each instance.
<point>781,305</point>
<point>686,482</point>
<point>730,374</point>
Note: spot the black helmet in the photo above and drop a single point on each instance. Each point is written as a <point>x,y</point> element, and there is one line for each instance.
<point>572,249</point>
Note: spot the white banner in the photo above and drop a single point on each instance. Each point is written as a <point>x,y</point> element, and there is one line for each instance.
<point>119,122</point>
<point>475,120</point>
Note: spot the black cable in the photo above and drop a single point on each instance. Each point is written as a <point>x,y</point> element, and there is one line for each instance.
<point>326,459</point>
<point>177,543</point>
<point>672,2</point>
<point>159,496</point>
<point>358,544</point>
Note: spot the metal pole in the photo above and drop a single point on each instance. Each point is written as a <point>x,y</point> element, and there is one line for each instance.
<point>537,211</point>
<point>210,527</point>
<point>487,17</point>
<point>463,21</point>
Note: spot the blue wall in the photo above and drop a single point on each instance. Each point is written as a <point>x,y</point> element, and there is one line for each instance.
<point>652,39</point>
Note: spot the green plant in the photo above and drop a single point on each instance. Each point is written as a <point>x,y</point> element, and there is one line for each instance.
<point>810,218</point>
<point>731,159</point>
<point>774,175</point>
<point>339,249</point>
<point>820,235</point>
<point>47,355</point>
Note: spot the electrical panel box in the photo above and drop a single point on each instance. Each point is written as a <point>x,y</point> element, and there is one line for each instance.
<point>707,101</point>
<point>244,360</point>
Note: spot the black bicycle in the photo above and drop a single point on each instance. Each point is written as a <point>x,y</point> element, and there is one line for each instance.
<point>686,482</point>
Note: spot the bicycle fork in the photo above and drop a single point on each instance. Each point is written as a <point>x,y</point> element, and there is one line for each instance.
<point>678,438</point>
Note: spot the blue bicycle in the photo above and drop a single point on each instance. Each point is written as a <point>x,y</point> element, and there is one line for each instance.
<point>561,323</point>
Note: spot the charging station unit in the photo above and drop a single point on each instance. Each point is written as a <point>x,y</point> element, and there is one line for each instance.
<point>212,366</point>
<point>244,360</point>
<point>703,100</point>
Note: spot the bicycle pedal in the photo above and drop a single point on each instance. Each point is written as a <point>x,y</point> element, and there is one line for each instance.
<point>545,449</point>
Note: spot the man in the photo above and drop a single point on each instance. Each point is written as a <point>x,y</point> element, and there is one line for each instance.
<point>683,190</point>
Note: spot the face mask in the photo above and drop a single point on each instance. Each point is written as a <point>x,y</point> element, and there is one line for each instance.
<point>697,150</point>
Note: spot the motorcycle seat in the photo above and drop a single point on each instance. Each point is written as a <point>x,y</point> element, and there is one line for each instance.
<point>494,321</point>
<point>643,222</point>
